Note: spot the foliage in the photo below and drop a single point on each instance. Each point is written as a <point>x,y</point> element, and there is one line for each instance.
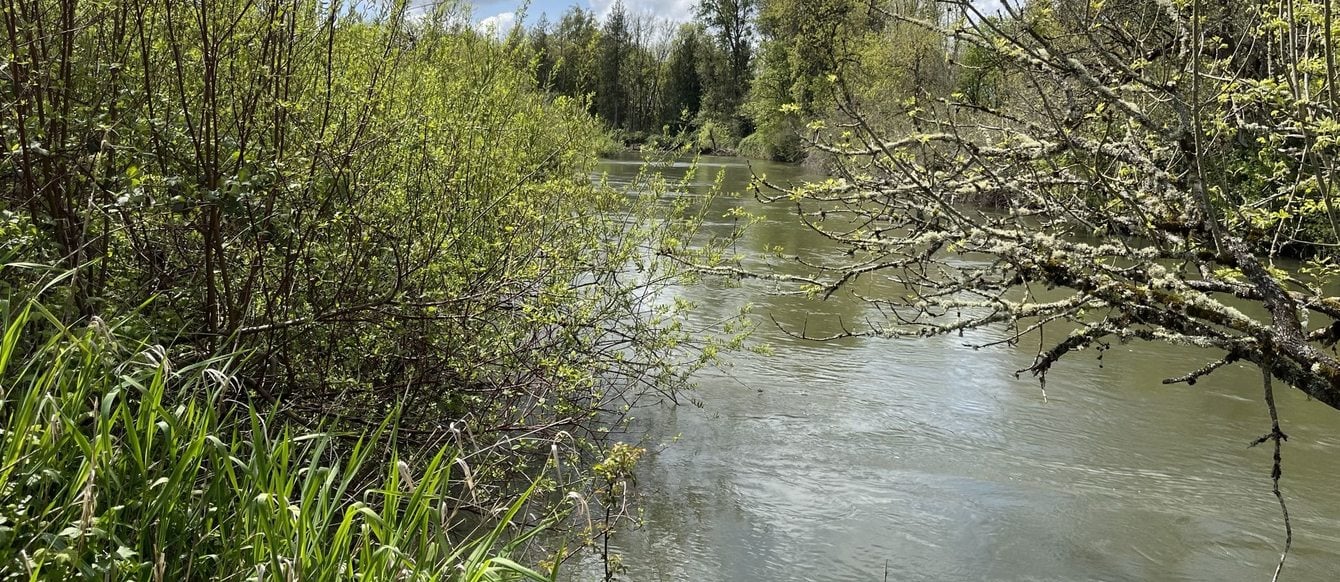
<point>684,82</point>
<point>1153,165</point>
<point>380,216</point>
<point>729,74</point>
<point>756,69</point>
<point>614,494</point>
<point>568,55</point>
<point>390,213</point>
<point>804,44</point>
<point>646,77</point>
<point>1195,168</point>
<point>1123,171</point>
<point>613,46</point>
<point>119,463</point>
<point>809,47</point>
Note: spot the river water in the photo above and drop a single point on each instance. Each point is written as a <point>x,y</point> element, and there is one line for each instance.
<point>871,460</point>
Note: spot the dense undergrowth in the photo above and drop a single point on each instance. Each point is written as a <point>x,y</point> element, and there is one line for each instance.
<point>118,463</point>
<point>278,225</point>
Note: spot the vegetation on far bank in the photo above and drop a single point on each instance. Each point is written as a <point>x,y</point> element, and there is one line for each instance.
<point>741,77</point>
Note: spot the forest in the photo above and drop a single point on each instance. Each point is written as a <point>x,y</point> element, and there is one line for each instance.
<point>741,76</point>
<point>312,290</point>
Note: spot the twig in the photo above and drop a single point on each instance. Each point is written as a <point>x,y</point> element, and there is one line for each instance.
<point>1279,437</point>
<point>1191,378</point>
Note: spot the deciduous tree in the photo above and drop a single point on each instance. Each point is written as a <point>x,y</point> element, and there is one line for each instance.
<point>1147,176</point>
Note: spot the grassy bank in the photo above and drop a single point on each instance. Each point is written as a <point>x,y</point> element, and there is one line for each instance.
<point>119,463</point>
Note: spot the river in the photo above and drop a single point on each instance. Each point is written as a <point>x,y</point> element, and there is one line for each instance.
<point>867,460</point>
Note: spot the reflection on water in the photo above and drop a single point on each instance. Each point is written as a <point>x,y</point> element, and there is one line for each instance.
<point>927,460</point>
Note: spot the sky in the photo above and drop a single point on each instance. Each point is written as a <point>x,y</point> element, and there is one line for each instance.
<point>503,13</point>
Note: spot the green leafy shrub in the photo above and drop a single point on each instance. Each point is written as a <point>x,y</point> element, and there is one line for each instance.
<point>382,216</point>
<point>381,212</point>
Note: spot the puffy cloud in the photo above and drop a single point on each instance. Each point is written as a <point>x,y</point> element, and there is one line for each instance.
<point>498,24</point>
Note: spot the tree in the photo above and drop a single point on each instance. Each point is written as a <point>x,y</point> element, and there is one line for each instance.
<point>1151,164</point>
<point>684,87</point>
<point>542,48</point>
<point>731,22</point>
<point>803,44</point>
<point>611,93</point>
<point>648,58</point>
<point>808,45</point>
<point>1172,183</point>
<point>576,39</point>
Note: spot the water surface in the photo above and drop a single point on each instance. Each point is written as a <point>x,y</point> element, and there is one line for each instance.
<point>928,460</point>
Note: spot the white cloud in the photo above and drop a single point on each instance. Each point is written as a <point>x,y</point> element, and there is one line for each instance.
<point>498,24</point>
<point>677,10</point>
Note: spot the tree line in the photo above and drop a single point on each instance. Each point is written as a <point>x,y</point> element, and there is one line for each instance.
<point>650,78</point>
<point>742,76</point>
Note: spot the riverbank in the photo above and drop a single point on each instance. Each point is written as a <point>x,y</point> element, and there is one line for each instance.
<point>708,139</point>
<point>385,247</point>
<point>619,141</point>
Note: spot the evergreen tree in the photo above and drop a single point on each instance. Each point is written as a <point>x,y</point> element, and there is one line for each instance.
<point>684,84</point>
<point>541,45</point>
<point>611,92</point>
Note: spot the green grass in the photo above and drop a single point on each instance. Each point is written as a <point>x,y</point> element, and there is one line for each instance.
<point>116,465</point>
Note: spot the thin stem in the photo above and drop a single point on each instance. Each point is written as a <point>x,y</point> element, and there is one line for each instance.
<point>1276,471</point>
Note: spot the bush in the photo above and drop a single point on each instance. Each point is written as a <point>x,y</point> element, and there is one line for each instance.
<point>782,146</point>
<point>381,216</point>
<point>379,212</point>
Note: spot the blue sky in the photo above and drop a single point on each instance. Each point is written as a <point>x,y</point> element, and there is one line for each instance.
<point>504,12</point>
